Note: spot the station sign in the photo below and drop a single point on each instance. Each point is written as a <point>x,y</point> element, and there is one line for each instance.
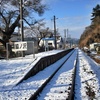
<point>20,46</point>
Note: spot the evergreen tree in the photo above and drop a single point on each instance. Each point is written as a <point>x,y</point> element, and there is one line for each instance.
<point>96,15</point>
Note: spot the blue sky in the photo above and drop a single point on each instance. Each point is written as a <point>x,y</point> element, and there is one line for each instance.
<point>73,15</point>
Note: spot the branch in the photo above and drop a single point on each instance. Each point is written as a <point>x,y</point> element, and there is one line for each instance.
<point>13,26</point>
<point>29,23</point>
<point>3,17</point>
<point>11,15</point>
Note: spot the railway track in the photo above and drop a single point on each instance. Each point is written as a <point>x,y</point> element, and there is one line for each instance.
<point>66,93</point>
<point>31,89</point>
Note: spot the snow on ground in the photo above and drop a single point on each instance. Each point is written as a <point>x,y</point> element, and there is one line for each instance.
<point>12,70</point>
<point>24,90</point>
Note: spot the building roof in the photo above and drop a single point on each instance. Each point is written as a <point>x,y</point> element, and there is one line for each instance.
<point>48,39</point>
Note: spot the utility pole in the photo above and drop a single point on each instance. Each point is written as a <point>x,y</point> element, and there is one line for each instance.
<point>65,39</point>
<point>21,23</point>
<point>21,20</point>
<point>0,10</point>
<point>67,33</point>
<point>55,32</point>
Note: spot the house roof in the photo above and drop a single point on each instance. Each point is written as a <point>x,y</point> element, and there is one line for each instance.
<point>48,39</point>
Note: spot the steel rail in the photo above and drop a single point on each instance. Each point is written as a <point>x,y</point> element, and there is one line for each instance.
<point>71,94</point>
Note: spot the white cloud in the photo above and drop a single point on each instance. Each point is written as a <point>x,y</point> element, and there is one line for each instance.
<point>76,25</point>
<point>49,1</point>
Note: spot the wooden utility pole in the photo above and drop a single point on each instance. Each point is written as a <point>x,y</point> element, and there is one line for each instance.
<point>21,19</point>
<point>65,39</point>
<point>21,23</point>
<point>55,32</point>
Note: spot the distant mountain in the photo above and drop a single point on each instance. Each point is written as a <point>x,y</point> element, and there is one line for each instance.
<point>72,40</point>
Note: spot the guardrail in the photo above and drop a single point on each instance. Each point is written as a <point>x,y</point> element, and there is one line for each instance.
<point>44,62</point>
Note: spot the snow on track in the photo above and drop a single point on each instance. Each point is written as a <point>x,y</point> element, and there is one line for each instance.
<point>87,79</point>
<point>87,84</point>
<point>59,86</point>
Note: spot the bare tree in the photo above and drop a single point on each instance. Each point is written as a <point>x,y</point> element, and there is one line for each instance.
<point>10,16</point>
<point>41,31</point>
